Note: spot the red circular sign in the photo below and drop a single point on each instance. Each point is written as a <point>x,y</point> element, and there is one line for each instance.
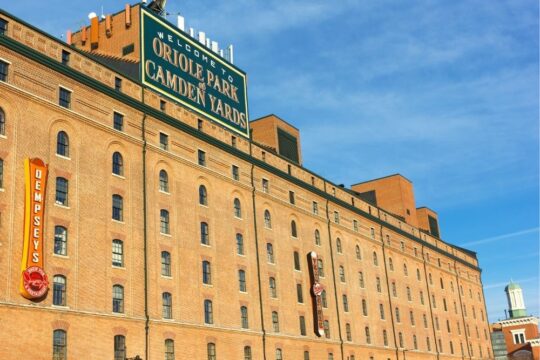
<point>317,289</point>
<point>35,281</point>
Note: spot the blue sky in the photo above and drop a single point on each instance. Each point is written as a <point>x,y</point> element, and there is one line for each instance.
<point>444,92</point>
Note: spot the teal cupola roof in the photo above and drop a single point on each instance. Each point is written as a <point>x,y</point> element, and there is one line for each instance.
<point>516,305</point>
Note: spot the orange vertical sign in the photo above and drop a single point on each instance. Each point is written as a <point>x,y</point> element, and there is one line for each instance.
<point>34,282</point>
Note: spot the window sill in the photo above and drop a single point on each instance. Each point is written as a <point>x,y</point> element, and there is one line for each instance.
<point>120,267</point>
<point>168,277</point>
<point>2,136</point>
<point>164,192</point>
<point>61,256</point>
<point>63,157</point>
<point>165,234</point>
<point>118,221</point>
<point>119,176</point>
<point>2,190</point>
<point>63,307</point>
<point>62,206</point>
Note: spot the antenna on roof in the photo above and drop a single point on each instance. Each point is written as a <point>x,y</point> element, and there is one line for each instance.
<point>158,6</point>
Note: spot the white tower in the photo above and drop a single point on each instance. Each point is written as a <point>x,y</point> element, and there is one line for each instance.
<point>516,305</point>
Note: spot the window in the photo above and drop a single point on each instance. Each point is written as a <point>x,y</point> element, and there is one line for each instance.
<point>442,283</point>
<point>205,237</point>
<point>242,281</point>
<point>163,141</point>
<point>381,311</point>
<point>2,122</point>
<point>338,246</point>
<point>348,331</point>
<point>390,264</point>
<point>279,354</point>
<point>424,318</point>
<point>199,125</point>
<point>375,260</point>
<point>59,290</point>
<point>164,227</point>
<point>62,144</point>
<point>235,172</point>
<point>4,67</point>
<point>411,316</point>
<point>3,26</point>
<point>336,217</point>
<point>117,83</point>
<point>326,326</point>
<point>208,312</point>
<point>118,121</point>
<point>203,195</point>
<point>361,279</point>
<point>430,279</point>
<point>237,207</point>
<point>418,274</point>
<point>265,187</point>
<point>405,271</point>
<point>162,105</point>
<point>401,344</point>
<point>385,338</point>
<point>364,307</point>
<point>61,191</point>
<point>59,345</point>
<point>169,349</point>
<point>211,351</point>
<point>270,253</point>
<point>302,321</point>
<point>355,225</point>
<point>275,321</point>
<point>437,324</point>
<point>428,344</point>
<point>422,297</point>
<point>244,317</point>
<point>65,57</point>
<point>433,301</point>
<point>394,289</point>
<point>267,219</point>
<point>358,253</point>
<point>299,294</point>
<point>291,197</point>
<point>345,303</point>
<point>167,305</point>
<point>402,246</point>
<point>117,164</point>
<point>60,240</point>
<point>317,238</point>
<point>119,347</point>
<point>201,158</point>
<point>378,284</point>
<point>306,355</point>
<point>330,356</point>
<point>519,336</point>
<point>296,259</point>
<point>165,263</point>
<point>315,208</point>
<point>320,267</point>
<point>64,98</point>
<point>118,299</point>
<point>398,319</point>
<point>341,273</point>
<point>415,342</point>
<point>163,181</point>
<point>368,336</point>
<point>118,253</point>
<point>372,233</point>
<point>448,326</point>
<point>247,352</point>
<point>273,287</point>
<point>239,244</point>
<point>206,273</point>
<point>323,299</point>
<point>117,208</point>
<point>294,232</point>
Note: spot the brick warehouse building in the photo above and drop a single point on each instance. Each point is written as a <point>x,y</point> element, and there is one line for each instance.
<point>168,233</point>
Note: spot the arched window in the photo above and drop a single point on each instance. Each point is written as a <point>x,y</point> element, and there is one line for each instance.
<point>394,289</point>
<point>211,351</point>
<point>169,349</point>
<point>378,284</point>
<point>411,316</point>
<point>244,317</point>
<point>242,280</point>
<point>117,207</point>
<point>339,249</point>
<point>203,195</point>
<point>306,355</point>
<point>62,144</point>
<point>61,191</point>
<point>326,326</point>
<point>296,260</point>
<point>267,219</point>
<point>1,173</point>
<point>418,274</point>
<point>247,352</point>
<point>368,336</point>
<point>59,345</point>
<point>320,267</point>
<point>364,307</point>
<point>348,331</point>
<point>409,296</point>
<point>239,244</point>
<point>118,299</point>
<point>275,321</point>
<point>381,311</point>
<point>167,305</point>
<point>323,299</point>
<point>208,312</point>
<point>405,271</point>
<point>361,279</point>
<point>2,122</point>
<point>119,347</point>
<point>294,233</point>
<point>163,181</point>
<point>385,338</point>
<point>205,236</point>
<point>118,164</point>
<point>390,264</point>
<point>237,208</point>
<point>317,238</point>
<point>400,336</point>
<point>415,342</point>
<point>345,303</point>
<point>341,273</point>
<point>59,290</point>
<point>117,252</point>
<point>206,273</point>
<point>398,319</point>
<point>165,263</point>
<point>60,240</point>
<point>279,354</point>
<point>358,253</point>
<point>375,260</point>
<point>164,227</point>
<point>270,253</point>
<point>273,287</point>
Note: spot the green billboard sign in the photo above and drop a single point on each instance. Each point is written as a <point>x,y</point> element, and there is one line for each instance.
<point>176,65</point>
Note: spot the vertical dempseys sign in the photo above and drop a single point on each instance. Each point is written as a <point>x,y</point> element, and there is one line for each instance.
<point>34,281</point>
<point>178,66</point>
<point>316,291</point>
